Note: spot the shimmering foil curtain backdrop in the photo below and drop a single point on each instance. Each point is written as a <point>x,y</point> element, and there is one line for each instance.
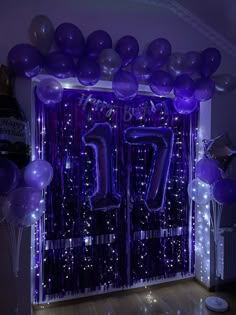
<point>79,250</point>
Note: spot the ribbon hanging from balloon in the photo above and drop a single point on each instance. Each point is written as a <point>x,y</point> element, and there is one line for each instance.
<point>100,139</point>
<point>161,139</point>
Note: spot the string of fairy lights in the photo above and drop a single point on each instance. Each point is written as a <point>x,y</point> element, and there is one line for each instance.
<point>78,250</point>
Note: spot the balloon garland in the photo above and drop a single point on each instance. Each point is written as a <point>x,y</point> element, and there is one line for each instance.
<point>189,75</point>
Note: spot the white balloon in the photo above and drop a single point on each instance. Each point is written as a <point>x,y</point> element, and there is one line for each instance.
<point>199,191</point>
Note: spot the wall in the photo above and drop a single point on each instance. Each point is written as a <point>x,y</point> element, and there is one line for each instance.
<point>146,22</point>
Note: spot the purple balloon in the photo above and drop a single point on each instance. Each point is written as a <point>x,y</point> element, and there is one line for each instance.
<point>38,174</point>
<point>224,191</point>
<point>9,175</point>
<point>159,50</point>
<point>88,71</point>
<point>192,62</point>
<point>25,60</point>
<point>59,64</point>
<point>185,106</point>
<point>128,48</point>
<point>183,86</point>
<point>204,89</point>
<point>70,39</point>
<point>208,171</point>
<point>124,85</point>
<point>210,61</point>
<point>161,82</point>
<point>49,91</point>
<point>23,206</point>
<point>142,68</point>
<point>96,42</point>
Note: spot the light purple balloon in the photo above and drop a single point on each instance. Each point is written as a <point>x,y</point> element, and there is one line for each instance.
<point>185,106</point>
<point>9,175</point>
<point>161,83</point>
<point>142,68</point>
<point>38,174</point>
<point>208,171</point>
<point>224,191</point>
<point>204,89</point>
<point>49,91</point>
<point>124,85</point>
<point>23,206</point>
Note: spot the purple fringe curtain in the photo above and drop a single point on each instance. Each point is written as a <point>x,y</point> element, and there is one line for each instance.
<point>80,251</point>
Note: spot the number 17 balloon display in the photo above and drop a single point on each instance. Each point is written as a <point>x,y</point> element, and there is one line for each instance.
<point>100,139</point>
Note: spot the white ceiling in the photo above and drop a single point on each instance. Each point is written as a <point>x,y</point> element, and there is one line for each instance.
<point>219,14</point>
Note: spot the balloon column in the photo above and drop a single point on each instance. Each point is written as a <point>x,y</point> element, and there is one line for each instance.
<point>191,76</point>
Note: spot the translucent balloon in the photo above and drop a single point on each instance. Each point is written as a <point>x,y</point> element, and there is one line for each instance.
<point>70,39</point>
<point>38,174</point>
<point>49,91</point>
<point>199,191</point>
<point>9,175</point>
<point>175,64</point>
<point>204,89</point>
<point>185,106</point>
<point>161,83</point>
<point>208,170</point>
<point>142,68</point>
<point>25,60</point>
<point>183,86</point>
<point>23,206</point>
<point>159,50</point>
<point>96,42</point>
<point>124,85</point>
<point>128,48</point>
<point>88,71</point>
<point>109,61</point>
<point>41,32</point>
<point>225,83</point>
<point>60,65</point>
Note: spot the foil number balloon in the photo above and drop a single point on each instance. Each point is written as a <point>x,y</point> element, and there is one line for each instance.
<point>161,140</point>
<point>100,139</point>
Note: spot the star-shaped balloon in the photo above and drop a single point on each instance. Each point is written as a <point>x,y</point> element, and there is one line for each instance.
<point>220,149</point>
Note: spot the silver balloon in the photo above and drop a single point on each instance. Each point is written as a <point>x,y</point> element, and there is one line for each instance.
<point>176,64</point>
<point>41,32</point>
<point>225,83</point>
<point>109,61</point>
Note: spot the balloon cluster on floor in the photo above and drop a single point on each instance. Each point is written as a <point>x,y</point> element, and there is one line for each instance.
<point>211,180</point>
<point>21,197</point>
<point>188,75</point>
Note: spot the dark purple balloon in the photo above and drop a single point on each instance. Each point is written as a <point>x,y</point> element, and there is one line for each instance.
<point>204,89</point>
<point>96,42</point>
<point>184,86</point>
<point>25,60</point>
<point>210,61</point>
<point>59,64</point>
<point>192,62</point>
<point>159,50</point>
<point>161,82</point>
<point>88,71</point>
<point>124,85</point>
<point>142,68</point>
<point>208,171</point>
<point>9,175</point>
<point>70,39</point>
<point>185,106</point>
<point>128,48</point>
<point>224,191</point>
